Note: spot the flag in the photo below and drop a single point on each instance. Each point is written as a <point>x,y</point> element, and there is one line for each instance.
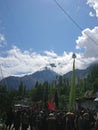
<point>72,89</point>
<point>50,105</point>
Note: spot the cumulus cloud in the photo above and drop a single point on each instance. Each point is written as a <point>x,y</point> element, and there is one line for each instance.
<point>2,40</point>
<point>89,42</point>
<point>93,4</point>
<point>19,63</point>
<point>52,53</point>
<point>91,14</point>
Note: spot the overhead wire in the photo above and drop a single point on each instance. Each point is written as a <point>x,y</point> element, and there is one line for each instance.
<point>74,21</point>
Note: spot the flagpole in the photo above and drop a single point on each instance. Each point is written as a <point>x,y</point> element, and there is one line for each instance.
<point>72,89</point>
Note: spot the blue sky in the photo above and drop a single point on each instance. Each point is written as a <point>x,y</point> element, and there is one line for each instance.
<point>36,33</point>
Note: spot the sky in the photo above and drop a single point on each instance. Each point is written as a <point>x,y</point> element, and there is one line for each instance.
<point>35,34</point>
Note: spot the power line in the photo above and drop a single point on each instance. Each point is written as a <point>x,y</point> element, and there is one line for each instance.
<point>71,18</point>
<point>66,13</point>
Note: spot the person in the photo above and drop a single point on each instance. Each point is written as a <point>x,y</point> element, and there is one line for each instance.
<point>86,122</point>
<point>25,120</point>
<point>70,121</point>
<point>96,123</point>
<point>9,119</point>
<point>80,122</point>
<point>60,121</point>
<point>51,122</point>
<point>17,120</point>
<point>32,120</point>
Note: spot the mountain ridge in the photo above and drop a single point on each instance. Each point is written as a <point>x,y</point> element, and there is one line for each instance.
<point>48,75</point>
<point>29,81</point>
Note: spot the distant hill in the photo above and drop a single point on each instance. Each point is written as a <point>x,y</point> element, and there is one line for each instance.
<point>29,81</point>
<point>48,75</point>
<point>78,73</point>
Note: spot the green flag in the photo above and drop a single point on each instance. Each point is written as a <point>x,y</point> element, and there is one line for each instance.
<point>72,89</point>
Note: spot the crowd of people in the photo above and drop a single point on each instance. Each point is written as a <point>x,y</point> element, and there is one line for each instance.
<point>42,119</point>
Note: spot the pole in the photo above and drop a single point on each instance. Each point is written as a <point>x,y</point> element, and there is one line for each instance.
<point>72,89</point>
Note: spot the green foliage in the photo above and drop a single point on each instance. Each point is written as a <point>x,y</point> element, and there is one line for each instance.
<point>95,85</point>
<point>60,80</point>
<point>6,99</point>
<point>92,78</point>
<point>37,93</point>
<point>80,86</point>
<point>21,89</point>
<point>89,83</point>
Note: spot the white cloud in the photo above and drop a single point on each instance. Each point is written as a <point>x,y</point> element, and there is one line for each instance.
<point>24,62</point>
<point>2,40</point>
<point>52,53</point>
<point>91,14</point>
<point>19,63</point>
<point>89,41</point>
<point>93,4</point>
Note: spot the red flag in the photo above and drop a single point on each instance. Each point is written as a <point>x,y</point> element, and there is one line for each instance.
<point>50,105</point>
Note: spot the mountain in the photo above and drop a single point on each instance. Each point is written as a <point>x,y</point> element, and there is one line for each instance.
<point>29,81</point>
<point>78,73</point>
<point>48,75</point>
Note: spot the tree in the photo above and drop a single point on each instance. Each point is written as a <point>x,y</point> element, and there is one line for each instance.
<point>21,89</point>
<point>45,94</point>
<point>6,100</point>
<point>95,85</point>
<point>60,80</point>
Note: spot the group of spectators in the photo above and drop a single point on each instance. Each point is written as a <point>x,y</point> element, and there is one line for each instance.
<point>83,119</point>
